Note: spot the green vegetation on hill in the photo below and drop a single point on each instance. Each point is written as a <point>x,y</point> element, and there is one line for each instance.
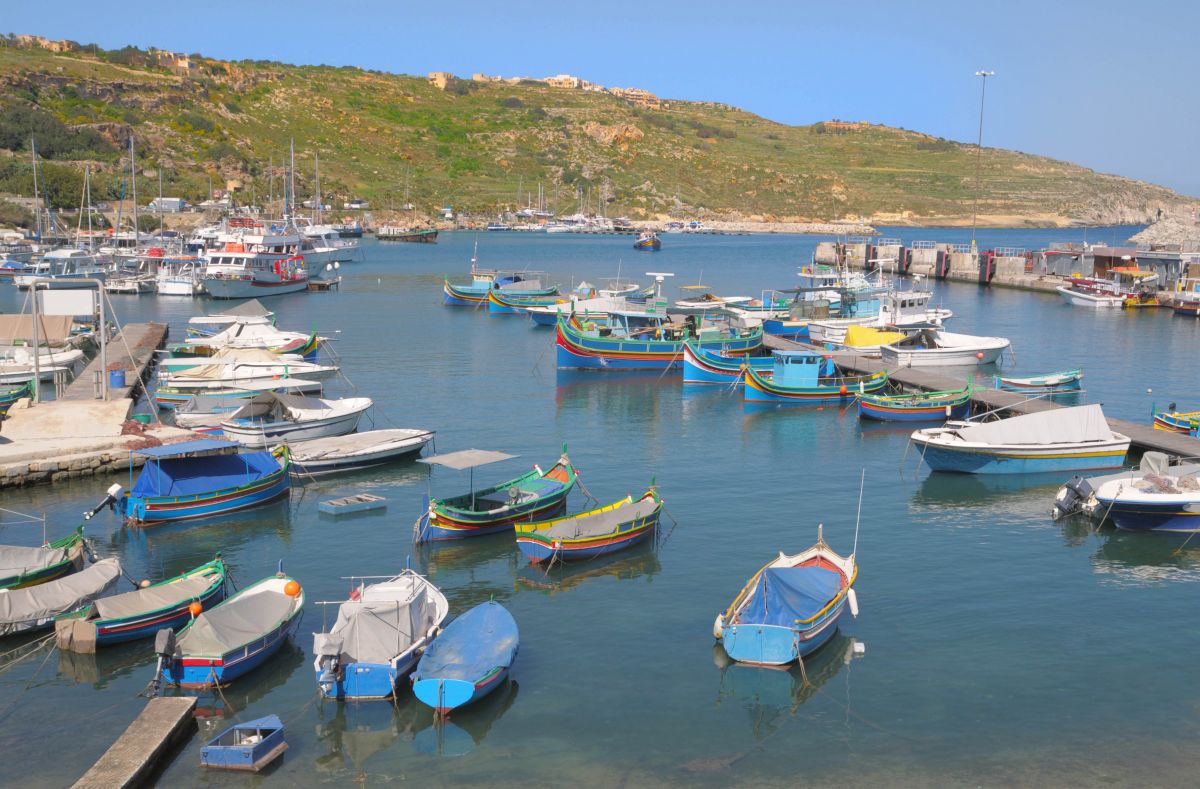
<point>485,147</point>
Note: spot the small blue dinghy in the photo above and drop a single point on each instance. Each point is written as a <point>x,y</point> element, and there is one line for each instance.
<point>245,746</point>
<point>469,660</point>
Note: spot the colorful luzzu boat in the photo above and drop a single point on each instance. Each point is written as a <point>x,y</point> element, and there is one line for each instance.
<point>470,659</point>
<point>704,366</point>
<point>501,303</point>
<point>919,407</point>
<point>807,378</point>
<point>588,535</point>
<point>1061,439</point>
<point>21,567</point>
<point>1049,383</point>
<point>642,341</point>
<point>789,608</point>
<point>1187,422</point>
<point>235,637</point>
<point>176,485</point>
<point>533,495</point>
<point>143,612</point>
<point>511,283</point>
<point>11,394</point>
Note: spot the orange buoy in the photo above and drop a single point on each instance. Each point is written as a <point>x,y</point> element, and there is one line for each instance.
<point>144,583</point>
<point>194,608</point>
<point>979,355</point>
<point>844,390</point>
<point>292,589</point>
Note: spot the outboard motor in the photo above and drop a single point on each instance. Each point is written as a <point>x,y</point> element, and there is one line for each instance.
<point>1071,497</point>
<point>329,657</point>
<point>113,495</point>
<point>164,647</point>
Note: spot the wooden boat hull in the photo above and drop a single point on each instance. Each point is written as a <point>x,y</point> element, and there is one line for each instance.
<point>11,394</point>
<point>366,681</point>
<point>576,351</point>
<point>1069,381</point>
<point>759,388</point>
<point>702,366</point>
<point>537,546</point>
<point>146,625</point>
<point>1171,514</point>
<point>412,237</point>
<point>72,561</point>
<point>1187,423</point>
<point>648,245</point>
<point>788,330</point>
<point>230,288</point>
<point>269,434</point>
<point>200,672</point>
<point>470,659</point>
<point>767,645</point>
<point>448,520</point>
<point>443,527</point>
<point>475,295</point>
<point>445,695</point>
<point>228,751</point>
<point>1024,460</point>
<point>915,408</point>
<point>151,511</point>
<point>1080,299</point>
<point>502,304</point>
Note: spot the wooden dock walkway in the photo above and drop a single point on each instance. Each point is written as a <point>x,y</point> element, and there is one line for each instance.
<point>1144,437</point>
<point>136,754</point>
<point>133,349</point>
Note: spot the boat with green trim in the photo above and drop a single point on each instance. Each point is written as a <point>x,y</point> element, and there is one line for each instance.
<point>535,494</point>
<point>21,566</point>
<point>641,340</point>
<point>11,394</point>
<point>594,533</point>
<point>142,612</point>
<point>807,378</point>
<point>917,407</point>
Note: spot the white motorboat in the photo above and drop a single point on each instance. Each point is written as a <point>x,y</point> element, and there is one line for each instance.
<point>179,276</point>
<point>272,418</point>
<point>255,265</point>
<point>357,451</point>
<point>1124,284</point>
<point>64,267</point>
<point>244,368</point>
<point>251,311</point>
<point>937,348</point>
<point>17,363</point>
<point>254,333</point>
<point>902,310</point>
<point>707,300</point>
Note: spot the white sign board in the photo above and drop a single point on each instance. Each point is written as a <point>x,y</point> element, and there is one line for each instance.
<point>81,301</point>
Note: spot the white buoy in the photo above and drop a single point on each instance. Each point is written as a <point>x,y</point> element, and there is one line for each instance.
<point>718,626</point>
<point>852,598</point>
<point>860,649</point>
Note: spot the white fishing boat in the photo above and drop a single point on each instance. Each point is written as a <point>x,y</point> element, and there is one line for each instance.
<point>1158,495</point>
<point>937,348</point>
<point>254,333</point>
<point>245,368</point>
<point>17,363</point>
<point>897,309</point>
<point>706,299</point>
<point>64,267</point>
<point>1123,284</point>
<point>272,418</point>
<point>255,265</point>
<point>178,276</point>
<point>1058,439</point>
<point>329,245</point>
<point>257,361</point>
<point>356,451</point>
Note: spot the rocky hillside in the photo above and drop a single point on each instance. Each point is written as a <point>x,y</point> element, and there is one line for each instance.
<point>487,146</point>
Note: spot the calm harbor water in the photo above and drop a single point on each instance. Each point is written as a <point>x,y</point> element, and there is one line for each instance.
<point>1001,648</point>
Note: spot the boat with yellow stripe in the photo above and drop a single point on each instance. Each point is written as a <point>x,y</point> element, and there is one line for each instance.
<point>1059,439</point>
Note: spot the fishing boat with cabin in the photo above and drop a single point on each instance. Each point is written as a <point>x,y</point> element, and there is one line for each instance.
<point>1058,439</point>
<point>807,378</point>
<point>790,607</point>
<point>896,311</point>
<point>255,265</point>
<point>380,633</point>
<point>594,533</point>
<point>233,638</point>
<point>916,407</point>
<point>142,612</point>
<point>470,659</point>
<point>533,495</point>
<point>648,241</point>
<point>176,484</point>
<point>1126,286</point>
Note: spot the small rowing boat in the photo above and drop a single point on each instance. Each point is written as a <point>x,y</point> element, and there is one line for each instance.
<point>355,451</point>
<point>918,407</point>
<point>594,533</point>
<point>273,417</point>
<point>470,659</point>
<point>1048,383</point>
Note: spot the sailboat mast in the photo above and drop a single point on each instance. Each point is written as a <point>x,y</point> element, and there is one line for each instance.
<point>160,202</point>
<point>291,179</point>
<point>87,183</point>
<point>317,207</point>
<point>137,239</point>
<point>37,205</point>
<point>270,182</point>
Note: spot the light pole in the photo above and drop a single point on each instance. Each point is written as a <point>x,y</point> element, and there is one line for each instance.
<point>979,151</point>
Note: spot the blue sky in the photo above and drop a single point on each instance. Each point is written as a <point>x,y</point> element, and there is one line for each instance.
<point>1108,85</point>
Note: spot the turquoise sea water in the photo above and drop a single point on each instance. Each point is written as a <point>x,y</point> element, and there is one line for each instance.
<point>1001,648</point>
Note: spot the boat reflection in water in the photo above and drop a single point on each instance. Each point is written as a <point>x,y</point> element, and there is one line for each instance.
<point>470,571</point>
<point>459,735</point>
<point>216,708</point>
<point>639,561</point>
<point>772,696</point>
<point>1022,493</point>
<point>205,536</point>
<point>100,669</point>
<point>1146,558</point>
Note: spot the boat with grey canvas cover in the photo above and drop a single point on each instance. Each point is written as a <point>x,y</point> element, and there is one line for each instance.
<point>35,607</point>
<point>357,451</point>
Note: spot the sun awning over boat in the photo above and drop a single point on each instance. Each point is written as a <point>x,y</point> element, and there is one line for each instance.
<point>153,598</point>
<point>1053,426</point>
<point>185,447</point>
<point>785,595</point>
<point>205,474</point>
<point>467,458</point>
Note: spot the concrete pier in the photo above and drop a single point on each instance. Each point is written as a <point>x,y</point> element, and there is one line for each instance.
<point>133,350</point>
<point>1144,437</point>
<point>145,745</point>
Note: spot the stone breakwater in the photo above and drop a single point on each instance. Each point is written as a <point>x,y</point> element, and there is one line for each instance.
<point>1176,228</point>
<point>63,468</point>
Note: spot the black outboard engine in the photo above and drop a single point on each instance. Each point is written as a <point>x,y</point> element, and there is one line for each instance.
<point>1071,497</point>
<point>113,495</point>
<point>164,647</point>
